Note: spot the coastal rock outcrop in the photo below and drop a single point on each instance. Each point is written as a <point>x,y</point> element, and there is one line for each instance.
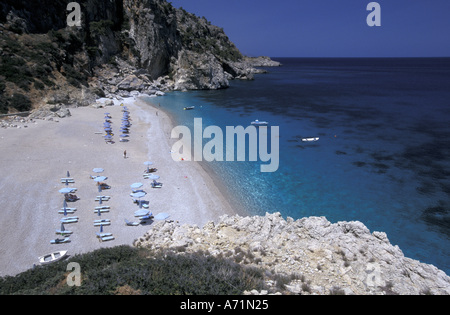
<point>40,54</point>
<point>343,257</point>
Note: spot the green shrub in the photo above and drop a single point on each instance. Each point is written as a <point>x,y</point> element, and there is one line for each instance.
<point>20,102</point>
<point>100,27</point>
<point>105,271</point>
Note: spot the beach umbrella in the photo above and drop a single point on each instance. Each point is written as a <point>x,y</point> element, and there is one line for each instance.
<point>161,216</point>
<point>141,212</point>
<point>100,178</point>
<point>153,176</point>
<point>139,194</point>
<point>136,185</point>
<point>124,136</point>
<point>108,137</point>
<point>66,190</point>
<point>98,170</point>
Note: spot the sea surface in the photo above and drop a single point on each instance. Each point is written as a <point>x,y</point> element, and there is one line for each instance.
<point>383,154</point>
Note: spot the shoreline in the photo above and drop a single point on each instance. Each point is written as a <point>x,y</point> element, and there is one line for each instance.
<point>34,159</point>
<point>218,183</point>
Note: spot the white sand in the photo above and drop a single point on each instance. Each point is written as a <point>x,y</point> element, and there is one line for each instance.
<point>34,159</point>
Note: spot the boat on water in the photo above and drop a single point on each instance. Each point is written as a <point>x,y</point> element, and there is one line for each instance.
<point>310,139</point>
<point>189,108</point>
<point>52,257</point>
<point>259,123</point>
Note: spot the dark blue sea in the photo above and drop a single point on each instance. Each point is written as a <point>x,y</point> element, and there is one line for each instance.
<point>383,155</point>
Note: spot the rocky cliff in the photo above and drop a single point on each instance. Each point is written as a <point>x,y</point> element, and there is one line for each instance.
<point>121,45</point>
<point>340,258</point>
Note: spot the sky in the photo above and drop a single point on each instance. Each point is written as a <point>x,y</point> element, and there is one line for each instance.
<point>330,28</point>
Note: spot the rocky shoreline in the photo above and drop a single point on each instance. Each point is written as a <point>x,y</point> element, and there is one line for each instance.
<point>321,257</point>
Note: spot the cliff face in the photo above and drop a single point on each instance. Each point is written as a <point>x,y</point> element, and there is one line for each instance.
<point>326,258</point>
<point>163,47</point>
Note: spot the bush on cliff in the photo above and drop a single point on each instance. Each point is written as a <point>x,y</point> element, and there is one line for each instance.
<point>124,269</point>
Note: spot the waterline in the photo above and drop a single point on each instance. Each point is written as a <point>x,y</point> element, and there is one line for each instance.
<point>214,149</point>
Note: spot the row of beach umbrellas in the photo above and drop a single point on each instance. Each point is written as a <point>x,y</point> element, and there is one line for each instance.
<point>125,125</point>
<point>65,210</point>
<point>108,128</point>
<point>101,208</point>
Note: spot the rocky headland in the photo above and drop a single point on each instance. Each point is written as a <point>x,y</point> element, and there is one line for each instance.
<point>122,46</point>
<point>320,257</point>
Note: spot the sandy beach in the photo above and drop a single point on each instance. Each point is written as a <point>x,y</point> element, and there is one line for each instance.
<point>34,159</point>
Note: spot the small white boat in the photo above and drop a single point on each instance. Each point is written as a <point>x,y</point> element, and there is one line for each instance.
<point>189,108</point>
<point>310,139</point>
<point>52,257</point>
<point>259,123</point>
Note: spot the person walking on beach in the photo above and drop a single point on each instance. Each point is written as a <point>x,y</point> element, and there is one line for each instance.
<point>125,154</point>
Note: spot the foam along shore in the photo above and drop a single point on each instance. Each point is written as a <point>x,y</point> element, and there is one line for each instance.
<point>34,159</point>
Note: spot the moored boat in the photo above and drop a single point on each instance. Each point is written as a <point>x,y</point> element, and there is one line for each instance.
<point>310,139</point>
<point>259,123</point>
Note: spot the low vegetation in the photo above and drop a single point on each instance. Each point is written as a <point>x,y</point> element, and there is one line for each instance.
<point>128,270</point>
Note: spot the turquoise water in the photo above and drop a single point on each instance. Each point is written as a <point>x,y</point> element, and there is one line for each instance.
<point>383,153</point>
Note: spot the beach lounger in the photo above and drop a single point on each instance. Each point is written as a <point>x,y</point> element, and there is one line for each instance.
<point>107,238</point>
<point>103,237</point>
<point>60,241</point>
<point>101,210</point>
<point>146,217</point>
<point>63,233</point>
<point>102,207</point>
<point>69,220</point>
<point>103,198</point>
<point>67,180</point>
<point>68,210</point>
<point>129,223</point>
<point>102,222</point>
<point>156,184</point>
